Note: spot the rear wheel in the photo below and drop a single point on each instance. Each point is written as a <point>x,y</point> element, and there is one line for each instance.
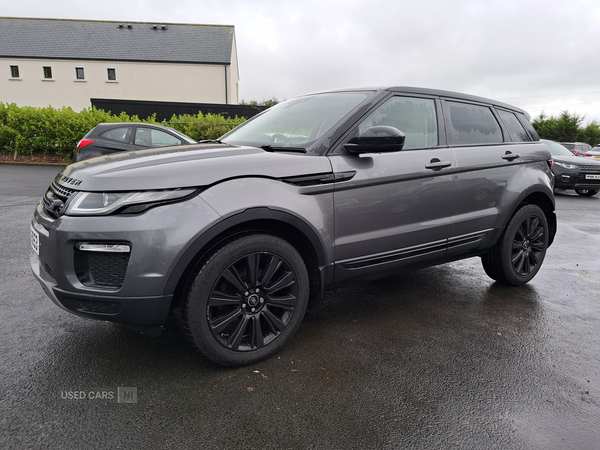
<point>586,192</point>
<point>518,255</point>
<point>246,300</point>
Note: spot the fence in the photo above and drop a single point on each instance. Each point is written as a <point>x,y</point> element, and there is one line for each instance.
<point>165,110</point>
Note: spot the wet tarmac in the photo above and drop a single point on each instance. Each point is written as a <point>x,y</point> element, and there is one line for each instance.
<point>432,359</point>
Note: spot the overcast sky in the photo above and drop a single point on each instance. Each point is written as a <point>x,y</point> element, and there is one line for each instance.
<point>541,55</point>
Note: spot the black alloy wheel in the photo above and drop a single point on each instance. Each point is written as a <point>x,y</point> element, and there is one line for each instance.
<point>246,301</point>
<point>518,255</point>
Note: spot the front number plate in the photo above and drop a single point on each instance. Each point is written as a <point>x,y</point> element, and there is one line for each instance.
<point>35,240</point>
<point>592,177</point>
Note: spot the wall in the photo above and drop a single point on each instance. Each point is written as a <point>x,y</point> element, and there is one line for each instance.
<point>201,83</point>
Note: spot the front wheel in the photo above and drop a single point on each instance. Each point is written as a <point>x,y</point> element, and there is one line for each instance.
<point>586,192</point>
<point>246,300</point>
<point>518,255</point>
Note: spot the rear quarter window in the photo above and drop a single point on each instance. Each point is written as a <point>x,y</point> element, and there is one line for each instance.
<point>470,124</point>
<point>120,134</point>
<point>516,131</point>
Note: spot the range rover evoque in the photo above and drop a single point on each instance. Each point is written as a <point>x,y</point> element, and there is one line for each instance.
<point>235,235</point>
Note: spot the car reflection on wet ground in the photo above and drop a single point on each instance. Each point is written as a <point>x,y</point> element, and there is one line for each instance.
<point>436,358</point>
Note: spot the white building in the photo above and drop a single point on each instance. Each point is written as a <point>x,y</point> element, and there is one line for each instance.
<point>55,62</point>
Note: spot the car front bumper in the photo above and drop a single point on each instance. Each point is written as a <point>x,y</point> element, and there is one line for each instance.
<point>125,288</point>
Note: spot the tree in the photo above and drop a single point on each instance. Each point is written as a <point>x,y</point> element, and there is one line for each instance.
<point>591,133</point>
<point>564,128</point>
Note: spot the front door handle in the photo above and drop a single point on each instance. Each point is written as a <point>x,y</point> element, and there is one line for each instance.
<point>510,156</point>
<point>436,164</point>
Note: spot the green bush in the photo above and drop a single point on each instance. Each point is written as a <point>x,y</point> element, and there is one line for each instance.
<point>203,127</point>
<point>50,131</point>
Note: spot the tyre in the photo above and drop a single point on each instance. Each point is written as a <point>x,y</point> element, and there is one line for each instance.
<point>245,300</point>
<point>518,255</point>
<point>586,192</point>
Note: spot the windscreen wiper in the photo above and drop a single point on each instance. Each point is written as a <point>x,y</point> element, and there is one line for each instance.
<point>274,148</point>
<point>210,141</point>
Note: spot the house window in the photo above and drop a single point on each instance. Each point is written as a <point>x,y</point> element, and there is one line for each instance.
<point>112,74</point>
<point>14,71</point>
<point>48,72</point>
<point>79,73</point>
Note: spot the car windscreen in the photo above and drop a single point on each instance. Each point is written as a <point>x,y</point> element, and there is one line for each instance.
<point>296,123</point>
<point>556,149</point>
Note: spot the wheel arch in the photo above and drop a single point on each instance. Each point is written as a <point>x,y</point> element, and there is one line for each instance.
<point>546,203</point>
<point>284,225</point>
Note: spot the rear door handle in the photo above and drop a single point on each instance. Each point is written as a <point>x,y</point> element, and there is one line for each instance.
<point>510,156</point>
<point>436,164</point>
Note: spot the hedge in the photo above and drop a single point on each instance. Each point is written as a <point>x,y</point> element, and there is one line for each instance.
<point>28,130</point>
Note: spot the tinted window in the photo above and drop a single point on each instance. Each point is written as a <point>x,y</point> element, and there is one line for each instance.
<point>515,129</point>
<point>527,125</point>
<point>415,117</point>
<point>154,138</point>
<point>472,124</point>
<point>117,134</point>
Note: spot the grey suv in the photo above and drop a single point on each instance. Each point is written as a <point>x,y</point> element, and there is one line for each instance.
<point>236,235</point>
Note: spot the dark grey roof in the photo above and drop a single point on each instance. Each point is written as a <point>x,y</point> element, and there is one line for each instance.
<point>115,41</point>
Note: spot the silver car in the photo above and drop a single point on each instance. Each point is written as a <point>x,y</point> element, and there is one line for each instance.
<point>594,152</point>
<point>236,235</point>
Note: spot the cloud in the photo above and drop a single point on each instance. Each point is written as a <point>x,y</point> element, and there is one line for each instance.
<point>496,48</point>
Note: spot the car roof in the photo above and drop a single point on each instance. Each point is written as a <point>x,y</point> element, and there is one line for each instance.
<point>121,124</point>
<point>433,92</point>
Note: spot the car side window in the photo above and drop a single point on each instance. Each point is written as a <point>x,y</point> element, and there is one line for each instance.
<point>120,134</point>
<point>515,129</point>
<point>415,117</point>
<point>472,124</point>
<point>154,138</point>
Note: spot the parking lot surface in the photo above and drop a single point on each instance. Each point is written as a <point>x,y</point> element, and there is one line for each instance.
<point>431,359</point>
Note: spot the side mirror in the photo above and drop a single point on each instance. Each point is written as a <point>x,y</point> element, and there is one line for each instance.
<point>377,139</point>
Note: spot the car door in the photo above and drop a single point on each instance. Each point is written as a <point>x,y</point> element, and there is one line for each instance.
<point>486,166</point>
<point>393,210</point>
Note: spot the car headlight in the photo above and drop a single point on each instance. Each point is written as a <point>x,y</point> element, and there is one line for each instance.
<point>104,203</point>
<point>566,166</point>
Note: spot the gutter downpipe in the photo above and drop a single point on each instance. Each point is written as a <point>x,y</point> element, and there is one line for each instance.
<point>226,93</point>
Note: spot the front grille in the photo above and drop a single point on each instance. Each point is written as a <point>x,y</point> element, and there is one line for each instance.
<point>594,168</point>
<point>100,307</point>
<point>56,192</point>
<point>103,269</point>
<point>108,269</point>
